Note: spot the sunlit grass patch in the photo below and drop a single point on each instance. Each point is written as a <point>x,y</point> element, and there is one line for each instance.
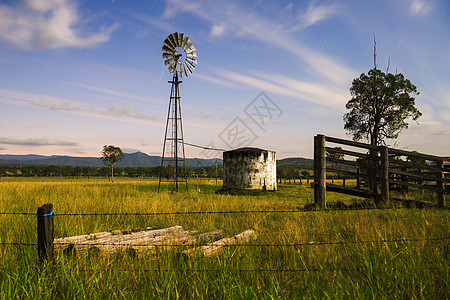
<point>366,253</point>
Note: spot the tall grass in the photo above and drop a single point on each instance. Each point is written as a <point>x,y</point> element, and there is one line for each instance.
<point>317,254</point>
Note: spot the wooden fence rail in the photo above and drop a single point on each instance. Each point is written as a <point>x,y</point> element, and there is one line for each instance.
<point>377,170</point>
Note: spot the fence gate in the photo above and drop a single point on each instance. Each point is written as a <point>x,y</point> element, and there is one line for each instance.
<point>377,170</point>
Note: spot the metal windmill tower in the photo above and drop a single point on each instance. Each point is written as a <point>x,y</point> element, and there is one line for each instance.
<point>180,57</point>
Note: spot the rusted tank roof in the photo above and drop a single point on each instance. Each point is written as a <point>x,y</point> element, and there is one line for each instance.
<point>249,149</point>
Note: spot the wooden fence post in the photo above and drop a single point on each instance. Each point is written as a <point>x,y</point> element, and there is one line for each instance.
<point>384,174</point>
<point>45,231</point>
<point>373,162</point>
<point>404,179</point>
<point>319,171</point>
<point>441,185</point>
<point>358,180</point>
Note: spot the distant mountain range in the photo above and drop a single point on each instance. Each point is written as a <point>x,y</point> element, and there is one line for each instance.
<point>137,159</point>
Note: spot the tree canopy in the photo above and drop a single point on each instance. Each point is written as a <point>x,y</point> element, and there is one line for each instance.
<point>380,105</point>
<point>110,156</point>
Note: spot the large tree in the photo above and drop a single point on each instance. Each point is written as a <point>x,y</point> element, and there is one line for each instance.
<point>110,156</point>
<point>380,106</point>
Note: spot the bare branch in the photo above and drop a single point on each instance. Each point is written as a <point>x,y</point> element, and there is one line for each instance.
<point>389,63</point>
<point>374,51</point>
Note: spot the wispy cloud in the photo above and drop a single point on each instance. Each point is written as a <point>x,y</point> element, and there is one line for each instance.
<point>217,31</point>
<point>420,7</point>
<point>43,24</point>
<point>116,93</point>
<point>42,141</point>
<point>317,13</point>
<point>242,22</point>
<point>115,112</point>
<point>333,98</point>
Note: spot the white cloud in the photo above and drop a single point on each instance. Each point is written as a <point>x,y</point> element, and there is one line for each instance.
<point>244,23</point>
<point>217,31</point>
<point>44,24</point>
<point>59,104</point>
<point>114,112</point>
<point>332,98</point>
<point>289,6</point>
<point>420,7</point>
<point>116,93</point>
<point>42,141</point>
<point>315,14</point>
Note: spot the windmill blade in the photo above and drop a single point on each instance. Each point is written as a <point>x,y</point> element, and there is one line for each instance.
<point>180,39</point>
<point>181,71</point>
<point>186,66</point>
<point>167,49</point>
<point>167,55</point>
<point>168,44</point>
<point>189,43</point>
<point>172,66</point>
<point>185,70</point>
<point>191,64</point>
<point>191,60</point>
<point>192,54</point>
<point>168,61</point>
<point>191,49</point>
<point>172,39</point>
<point>183,44</point>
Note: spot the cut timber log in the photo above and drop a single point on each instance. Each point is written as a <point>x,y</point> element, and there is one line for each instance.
<point>148,239</point>
<point>113,241</point>
<point>217,246</point>
<point>97,236</point>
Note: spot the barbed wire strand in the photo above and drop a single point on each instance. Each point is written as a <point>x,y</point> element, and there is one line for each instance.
<point>312,243</point>
<point>265,245</point>
<point>208,212</point>
<point>17,244</point>
<point>291,270</point>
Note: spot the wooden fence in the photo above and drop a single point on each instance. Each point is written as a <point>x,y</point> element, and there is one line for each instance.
<point>377,170</point>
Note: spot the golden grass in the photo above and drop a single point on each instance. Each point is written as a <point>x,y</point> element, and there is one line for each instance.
<point>319,254</point>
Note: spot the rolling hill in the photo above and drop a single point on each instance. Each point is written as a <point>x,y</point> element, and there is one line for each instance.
<point>137,159</point>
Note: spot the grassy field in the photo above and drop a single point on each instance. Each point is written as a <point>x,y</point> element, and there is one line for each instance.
<point>364,254</point>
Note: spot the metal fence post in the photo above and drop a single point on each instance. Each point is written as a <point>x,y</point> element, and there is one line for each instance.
<point>45,233</point>
<point>319,171</point>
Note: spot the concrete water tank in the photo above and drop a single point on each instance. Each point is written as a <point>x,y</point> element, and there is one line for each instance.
<point>250,168</point>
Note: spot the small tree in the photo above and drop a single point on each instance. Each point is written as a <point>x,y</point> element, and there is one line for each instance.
<point>110,156</point>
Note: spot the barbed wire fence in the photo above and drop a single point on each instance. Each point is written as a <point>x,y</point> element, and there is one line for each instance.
<point>247,245</point>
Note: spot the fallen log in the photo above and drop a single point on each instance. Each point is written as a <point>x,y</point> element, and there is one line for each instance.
<point>138,241</point>
<point>112,241</point>
<point>99,235</point>
<point>217,246</point>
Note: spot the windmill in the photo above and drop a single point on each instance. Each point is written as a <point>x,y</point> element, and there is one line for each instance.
<point>180,57</point>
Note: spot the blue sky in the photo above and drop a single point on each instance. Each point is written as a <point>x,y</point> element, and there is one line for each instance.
<point>76,75</point>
